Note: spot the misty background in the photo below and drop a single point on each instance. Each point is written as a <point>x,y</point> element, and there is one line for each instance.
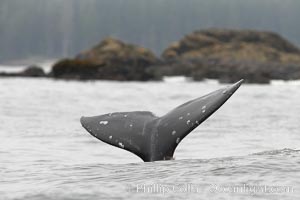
<point>47,29</point>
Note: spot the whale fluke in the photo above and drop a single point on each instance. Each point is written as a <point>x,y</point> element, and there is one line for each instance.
<point>155,138</point>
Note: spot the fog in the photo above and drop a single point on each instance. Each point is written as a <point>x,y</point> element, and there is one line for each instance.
<point>61,28</point>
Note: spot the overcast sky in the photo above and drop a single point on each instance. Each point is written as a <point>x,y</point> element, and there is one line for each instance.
<point>60,28</point>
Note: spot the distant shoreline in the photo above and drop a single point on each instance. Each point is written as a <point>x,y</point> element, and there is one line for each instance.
<point>224,54</point>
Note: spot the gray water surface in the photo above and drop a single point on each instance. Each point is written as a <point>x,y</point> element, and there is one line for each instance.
<point>248,149</point>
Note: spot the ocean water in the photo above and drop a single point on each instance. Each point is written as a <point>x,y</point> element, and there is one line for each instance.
<point>248,149</point>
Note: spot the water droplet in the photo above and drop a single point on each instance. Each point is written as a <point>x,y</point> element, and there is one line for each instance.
<point>131,125</point>
<point>225,91</point>
<point>188,121</point>
<point>110,137</point>
<point>125,115</point>
<point>204,107</point>
<point>174,132</point>
<point>180,118</point>
<point>177,140</point>
<point>203,111</point>
<point>188,114</point>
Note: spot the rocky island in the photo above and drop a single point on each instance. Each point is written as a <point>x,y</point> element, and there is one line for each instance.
<point>111,59</point>
<point>226,55</point>
<point>229,55</point>
<point>31,71</point>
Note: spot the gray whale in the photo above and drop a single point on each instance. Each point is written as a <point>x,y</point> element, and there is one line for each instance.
<point>155,138</point>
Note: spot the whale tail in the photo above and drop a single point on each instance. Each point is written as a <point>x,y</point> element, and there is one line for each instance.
<point>156,138</point>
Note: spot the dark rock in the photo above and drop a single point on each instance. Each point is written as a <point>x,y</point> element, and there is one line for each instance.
<point>7,74</point>
<point>33,71</point>
<point>229,55</point>
<point>226,55</point>
<point>234,45</point>
<point>74,69</point>
<point>112,59</point>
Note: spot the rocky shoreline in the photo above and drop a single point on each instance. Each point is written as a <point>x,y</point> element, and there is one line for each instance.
<point>226,55</point>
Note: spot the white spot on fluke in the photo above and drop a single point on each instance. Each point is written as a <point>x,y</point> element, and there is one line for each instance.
<point>197,122</point>
<point>225,91</point>
<point>180,118</point>
<point>131,125</point>
<point>110,137</point>
<point>188,114</point>
<point>204,107</point>
<point>177,140</point>
<point>174,132</point>
<point>121,145</point>
<point>103,122</point>
<point>203,111</point>
<point>125,115</point>
<point>188,121</point>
